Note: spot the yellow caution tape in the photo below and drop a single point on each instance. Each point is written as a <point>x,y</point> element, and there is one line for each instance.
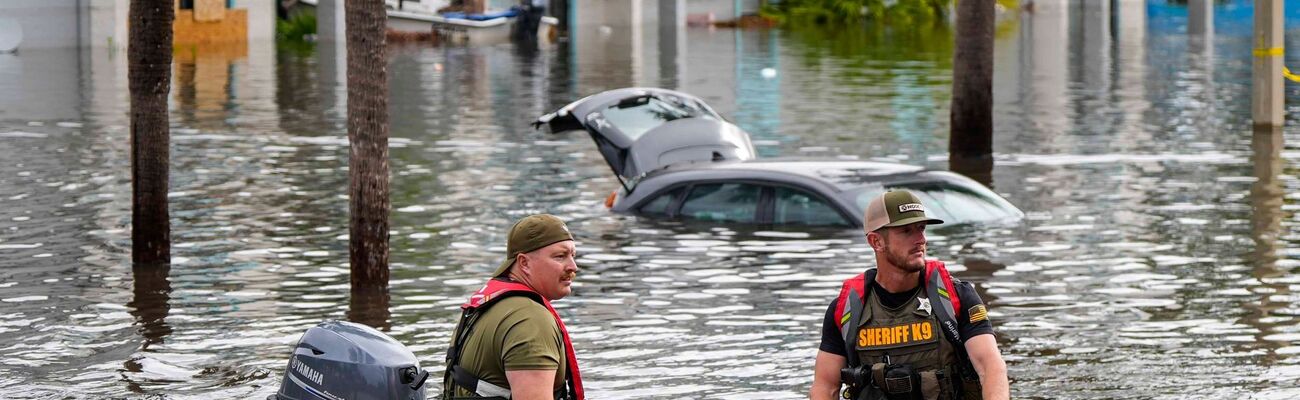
<point>1277,52</point>
<point>1286,72</point>
<point>1270,52</point>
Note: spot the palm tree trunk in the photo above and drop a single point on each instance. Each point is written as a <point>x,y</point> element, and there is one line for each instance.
<point>970,145</point>
<point>149,59</point>
<point>368,136</point>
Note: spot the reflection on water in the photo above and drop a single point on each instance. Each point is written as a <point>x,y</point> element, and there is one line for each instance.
<point>370,307</point>
<point>1266,198</point>
<point>150,309</point>
<point>1160,243</point>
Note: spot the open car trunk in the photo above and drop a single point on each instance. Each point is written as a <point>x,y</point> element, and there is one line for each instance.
<point>639,130</point>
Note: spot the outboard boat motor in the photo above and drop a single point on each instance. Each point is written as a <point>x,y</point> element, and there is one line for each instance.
<point>338,360</point>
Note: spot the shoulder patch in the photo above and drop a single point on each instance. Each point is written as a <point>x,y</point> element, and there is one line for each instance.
<point>978,313</point>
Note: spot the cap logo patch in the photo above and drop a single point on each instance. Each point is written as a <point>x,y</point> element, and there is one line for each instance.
<point>902,208</point>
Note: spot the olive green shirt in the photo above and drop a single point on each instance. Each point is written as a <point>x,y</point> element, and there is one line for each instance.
<point>515,333</point>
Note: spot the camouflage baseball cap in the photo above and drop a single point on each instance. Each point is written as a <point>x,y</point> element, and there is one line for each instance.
<point>531,233</point>
<point>896,208</point>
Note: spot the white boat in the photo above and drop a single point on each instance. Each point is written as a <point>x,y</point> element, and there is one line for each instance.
<point>422,16</point>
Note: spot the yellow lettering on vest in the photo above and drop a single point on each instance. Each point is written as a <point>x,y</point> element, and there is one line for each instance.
<point>903,334</point>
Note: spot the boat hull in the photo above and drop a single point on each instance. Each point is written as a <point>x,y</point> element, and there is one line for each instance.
<point>456,30</point>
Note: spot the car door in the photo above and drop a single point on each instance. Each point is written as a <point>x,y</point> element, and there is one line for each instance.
<point>796,206</point>
<point>731,202</point>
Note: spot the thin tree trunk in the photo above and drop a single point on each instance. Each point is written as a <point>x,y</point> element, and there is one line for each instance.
<point>970,146</point>
<point>368,136</point>
<point>149,59</point>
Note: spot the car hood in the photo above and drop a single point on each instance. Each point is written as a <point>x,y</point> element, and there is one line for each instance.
<point>638,130</point>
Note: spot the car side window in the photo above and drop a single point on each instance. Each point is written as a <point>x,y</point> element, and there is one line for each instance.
<point>660,204</point>
<point>728,202</point>
<point>795,206</point>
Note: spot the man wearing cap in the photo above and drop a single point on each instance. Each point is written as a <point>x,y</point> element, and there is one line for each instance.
<point>906,329</point>
<point>510,343</point>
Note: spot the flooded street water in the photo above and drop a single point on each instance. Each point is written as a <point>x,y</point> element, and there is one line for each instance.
<point>1159,257</point>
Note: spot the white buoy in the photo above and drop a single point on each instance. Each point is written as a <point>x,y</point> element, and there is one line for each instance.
<point>769,73</point>
<point>11,35</point>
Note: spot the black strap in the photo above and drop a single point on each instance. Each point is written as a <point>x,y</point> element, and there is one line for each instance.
<point>856,310</point>
<point>943,310</point>
<point>467,380</point>
<point>467,319</point>
<point>460,377</point>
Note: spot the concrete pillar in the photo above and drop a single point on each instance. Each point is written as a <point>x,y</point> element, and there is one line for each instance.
<point>1094,65</point>
<point>672,42</point>
<point>331,55</point>
<point>608,40</point>
<point>1200,17</point>
<point>1130,72</point>
<point>1200,40</point>
<point>1267,102</point>
<point>261,19</point>
<point>1044,37</point>
<point>330,22</point>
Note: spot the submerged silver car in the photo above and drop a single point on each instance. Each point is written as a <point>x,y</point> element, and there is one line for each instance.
<point>677,158</point>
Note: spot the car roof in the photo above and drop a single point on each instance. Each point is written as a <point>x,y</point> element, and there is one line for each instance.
<point>840,174</point>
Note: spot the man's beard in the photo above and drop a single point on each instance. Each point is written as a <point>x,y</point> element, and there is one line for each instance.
<point>901,261</point>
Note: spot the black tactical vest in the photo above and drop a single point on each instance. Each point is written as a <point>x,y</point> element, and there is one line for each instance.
<point>904,338</point>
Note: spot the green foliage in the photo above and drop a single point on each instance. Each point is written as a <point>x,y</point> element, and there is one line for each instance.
<point>892,11</point>
<point>299,27</point>
<point>824,11</point>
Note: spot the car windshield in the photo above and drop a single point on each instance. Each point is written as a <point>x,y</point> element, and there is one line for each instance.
<point>636,116</point>
<point>949,202</point>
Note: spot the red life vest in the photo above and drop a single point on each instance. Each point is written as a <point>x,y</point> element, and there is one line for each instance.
<point>497,289</point>
<point>933,269</point>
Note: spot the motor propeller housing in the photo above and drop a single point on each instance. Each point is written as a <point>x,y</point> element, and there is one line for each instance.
<point>338,360</point>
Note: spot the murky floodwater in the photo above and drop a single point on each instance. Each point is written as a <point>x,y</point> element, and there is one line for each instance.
<point>1158,259</point>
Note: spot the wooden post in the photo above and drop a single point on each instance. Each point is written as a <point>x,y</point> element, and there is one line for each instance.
<point>149,63</point>
<point>970,145</point>
<point>1266,106</point>
<point>368,138</point>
